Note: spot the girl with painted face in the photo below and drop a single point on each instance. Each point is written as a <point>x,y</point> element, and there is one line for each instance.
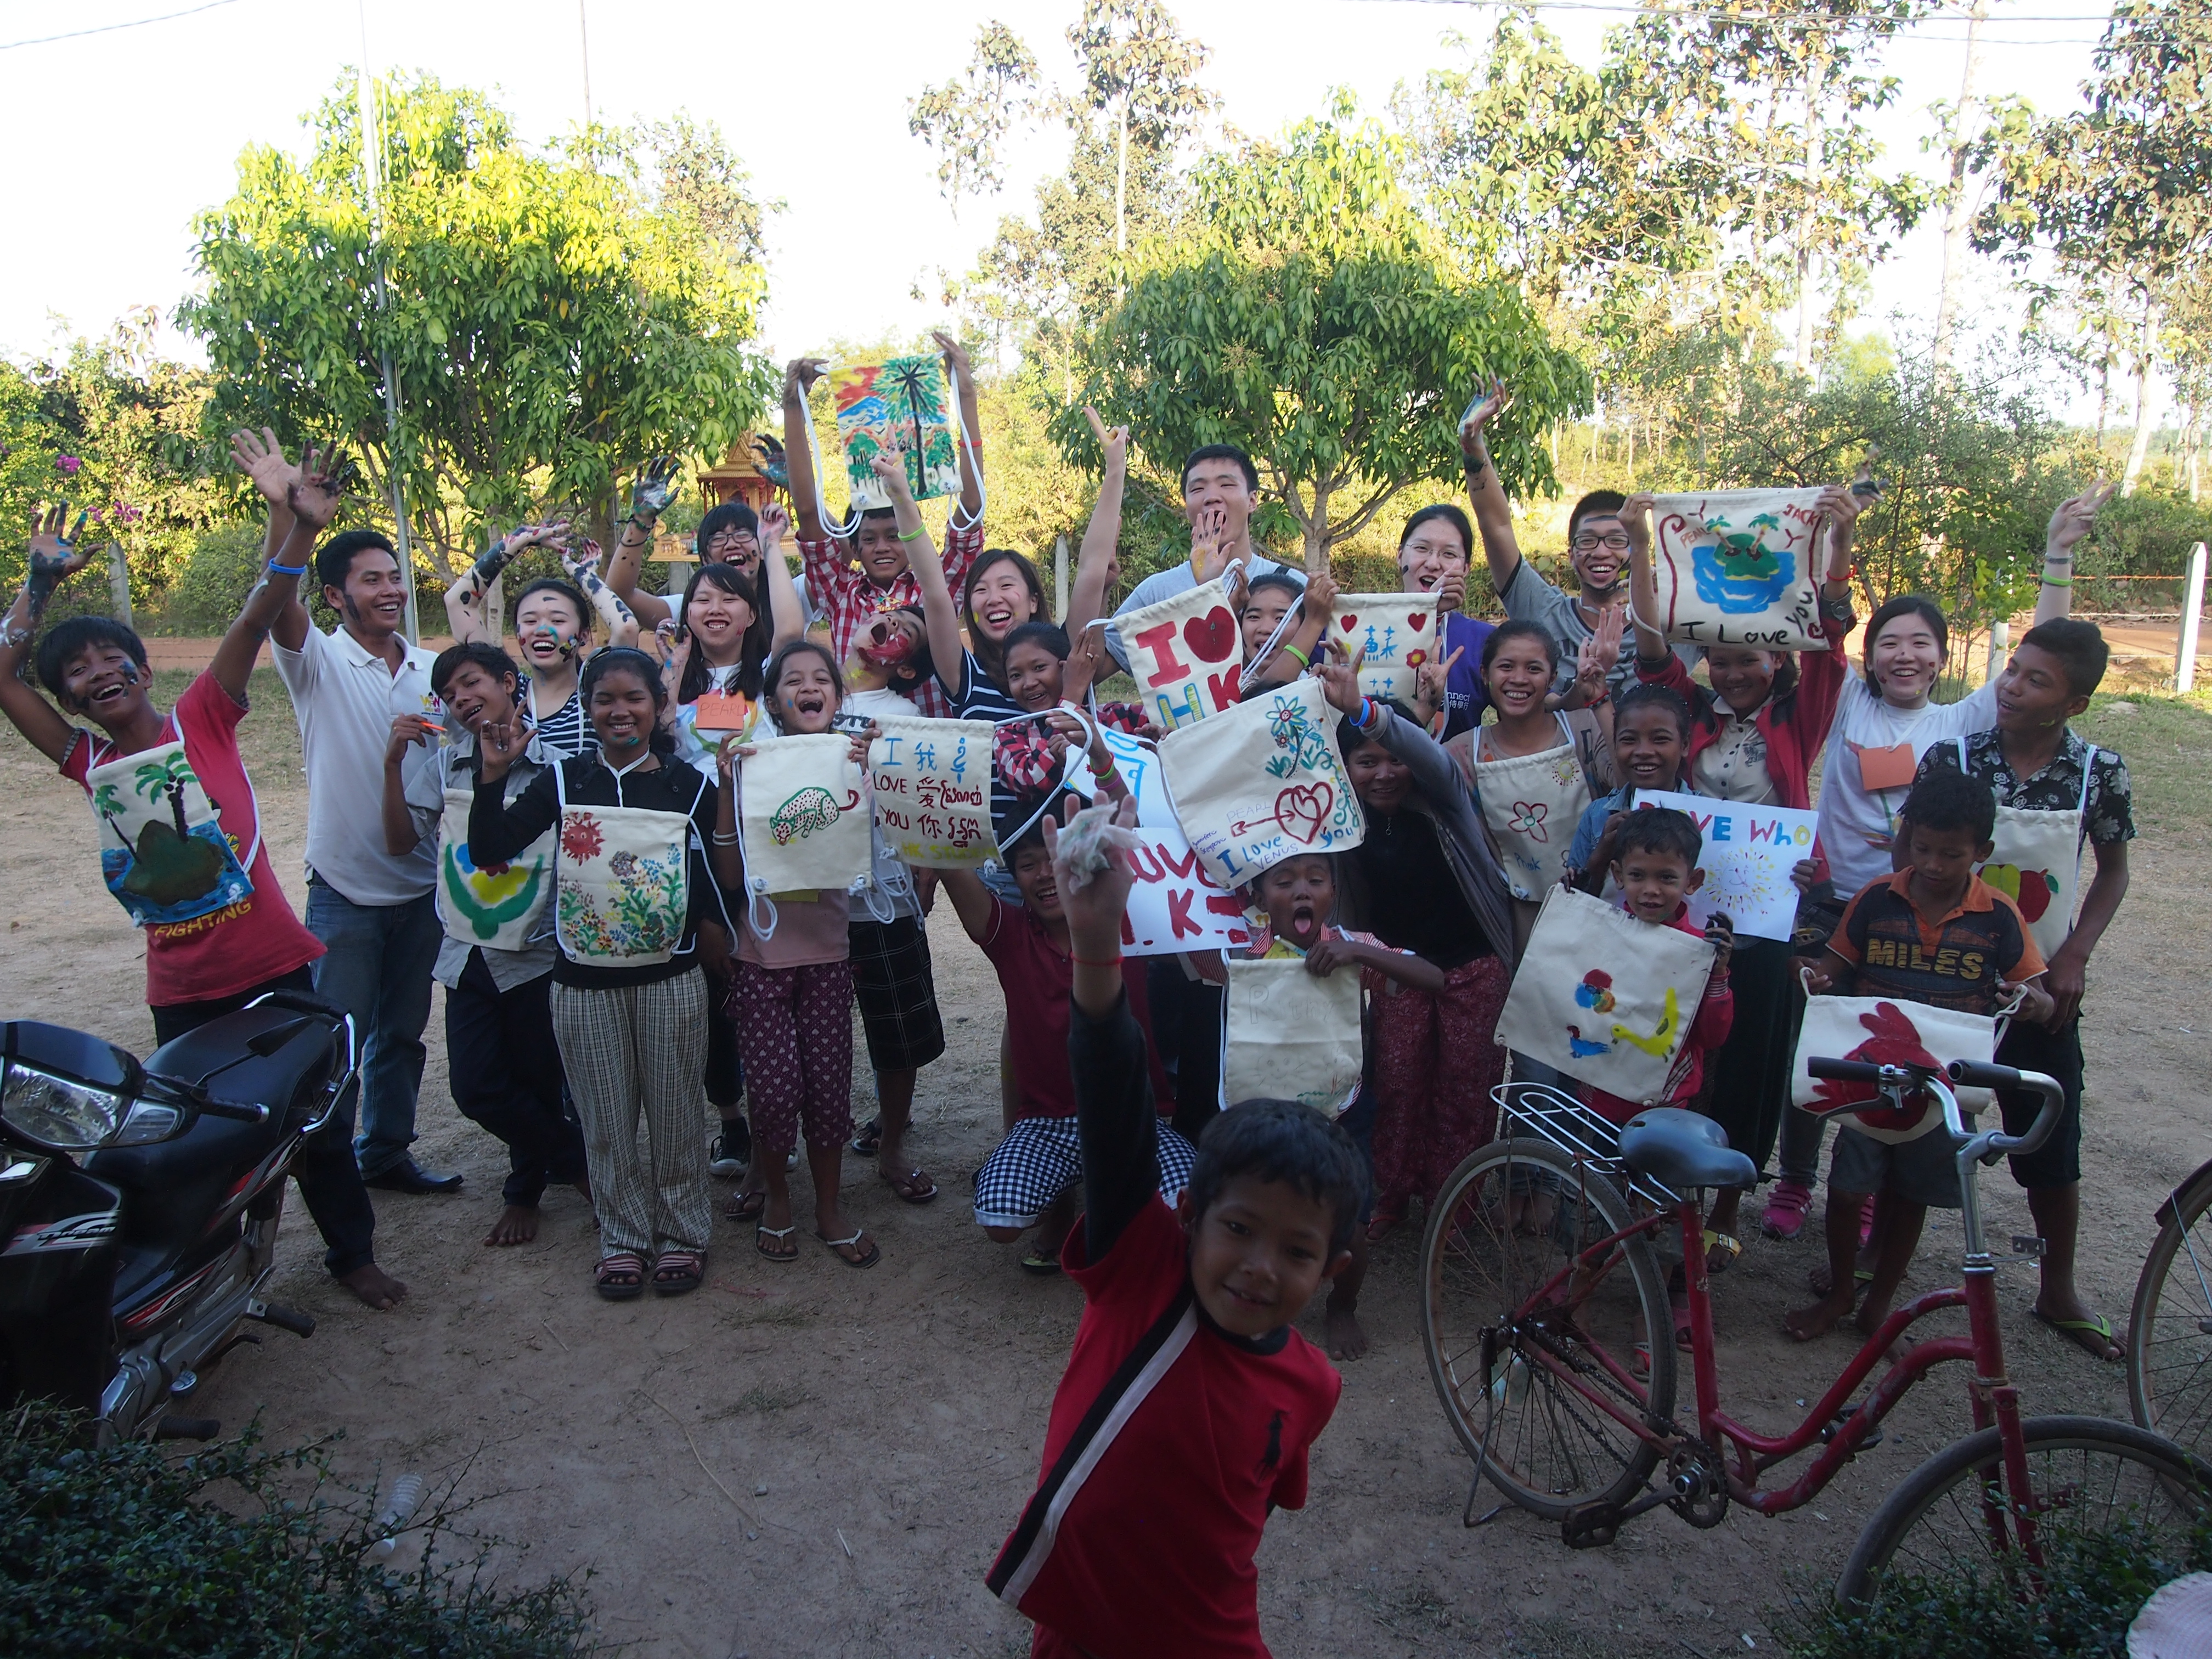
<point>639,844</point>
<point>791,999</point>
<point>890,663</point>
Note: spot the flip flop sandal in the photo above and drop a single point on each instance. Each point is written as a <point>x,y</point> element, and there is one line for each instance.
<point>762,1235</point>
<point>905,1187</point>
<point>1817,1281</point>
<point>837,1247</point>
<point>2078,1331</point>
<point>678,1272</point>
<point>744,1207</point>
<point>870,1141</point>
<point>1731,1249</point>
<point>1037,1262</point>
<point>620,1277</point>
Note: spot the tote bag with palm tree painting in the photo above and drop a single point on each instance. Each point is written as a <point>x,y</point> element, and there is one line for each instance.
<point>161,848</point>
<point>1734,567</point>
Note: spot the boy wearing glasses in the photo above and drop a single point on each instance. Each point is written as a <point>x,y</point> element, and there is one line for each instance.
<point>1597,549</point>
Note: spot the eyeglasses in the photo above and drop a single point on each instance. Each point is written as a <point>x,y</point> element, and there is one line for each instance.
<point>1617,543</point>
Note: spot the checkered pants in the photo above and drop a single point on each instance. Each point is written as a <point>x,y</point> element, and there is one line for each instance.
<point>1041,1157</point>
<point>640,1046</point>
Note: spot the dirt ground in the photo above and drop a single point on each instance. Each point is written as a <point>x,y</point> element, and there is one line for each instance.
<point>805,1460</point>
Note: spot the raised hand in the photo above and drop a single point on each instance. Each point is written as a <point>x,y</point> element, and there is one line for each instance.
<point>1432,679</point>
<point>317,489</point>
<point>891,472</point>
<point>1206,533</point>
<point>55,557</point>
<point>1339,674</point>
<point>1092,899</point>
<point>1479,414</point>
<point>654,488</point>
<point>955,356</point>
<point>775,525</point>
<point>261,458</point>
<point>1085,653</point>
<point>2074,517</point>
<point>498,744</point>
<point>799,375</point>
<point>1321,596</point>
<point>1113,440</point>
<point>581,561</point>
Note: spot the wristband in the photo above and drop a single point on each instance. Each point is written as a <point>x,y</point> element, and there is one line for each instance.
<point>1101,773</point>
<point>2058,582</point>
<point>915,534</point>
<point>1114,961</point>
<point>276,569</point>
<point>1368,716</point>
<point>722,840</point>
<point>1305,661</point>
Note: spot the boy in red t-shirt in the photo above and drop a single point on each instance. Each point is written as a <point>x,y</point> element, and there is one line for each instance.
<point>195,874</point>
<point>1031,1181</point>
<point>1189,1405</point>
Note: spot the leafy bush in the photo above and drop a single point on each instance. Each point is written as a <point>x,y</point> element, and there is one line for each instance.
<point>127,1551</point>
<point>2091,1588</point>
<point>220,572</point>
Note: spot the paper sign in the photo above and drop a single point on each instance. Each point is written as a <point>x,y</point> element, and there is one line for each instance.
<point>1185,654</point>
<point>933,787</point>
<point>1734,567</point>
<point>1748,854</point>
<point>1175,905</point>
<point>1263,781</point>
<point>724,716</point>
<point>897,407</point>
<point>1893,766</point>
<point>1392,634</point>
<point>1139,763</point>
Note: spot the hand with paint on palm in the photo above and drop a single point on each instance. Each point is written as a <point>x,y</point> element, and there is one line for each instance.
<point>55,557</point>
<point>654,489</point>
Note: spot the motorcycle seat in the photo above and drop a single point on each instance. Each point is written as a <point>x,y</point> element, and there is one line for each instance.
<point>1683,1150</point>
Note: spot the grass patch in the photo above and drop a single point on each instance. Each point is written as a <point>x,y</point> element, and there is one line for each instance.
<point>125,1551</point>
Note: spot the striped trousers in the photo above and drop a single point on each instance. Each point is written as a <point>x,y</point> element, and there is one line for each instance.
<point>641,1047</point>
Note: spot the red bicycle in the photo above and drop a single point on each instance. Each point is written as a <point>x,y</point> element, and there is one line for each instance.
<point>1543,1296</point>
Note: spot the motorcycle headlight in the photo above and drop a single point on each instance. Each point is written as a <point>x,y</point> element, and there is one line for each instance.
<point>58,1112</point>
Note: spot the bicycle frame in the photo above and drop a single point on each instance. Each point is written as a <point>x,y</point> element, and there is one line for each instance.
<point>1745,1452</point>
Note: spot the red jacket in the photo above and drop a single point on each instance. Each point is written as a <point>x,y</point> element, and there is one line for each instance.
<point>1794,725</point>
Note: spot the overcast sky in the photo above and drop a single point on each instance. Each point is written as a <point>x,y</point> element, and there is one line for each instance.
<point>121,136</point>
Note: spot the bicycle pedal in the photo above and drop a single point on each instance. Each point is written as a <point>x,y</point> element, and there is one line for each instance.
<point>1835,1426</point>
<point>1590,1526</point>
<point>2027,1244</point>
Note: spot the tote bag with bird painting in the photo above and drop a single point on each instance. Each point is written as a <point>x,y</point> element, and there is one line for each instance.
<point>1605,998</point>
<point>1889,1031</point>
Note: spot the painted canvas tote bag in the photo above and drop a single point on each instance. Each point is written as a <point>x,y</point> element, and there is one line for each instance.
<point>1185,653</point>
<point>1886,1031</point>
<point>1734,567</point>
<point>1263,781</point>
<point>1392,634</point>
<point>1290,1035</point>
<point>932,781</point>
<point>1531,805</point>
<point>498,909</point>
<point>804,819</point>
<point>901,408</point>
<point>1605,998</point>
<point>2035,861</point>
<point>162,851</point>
<point>624,882</point>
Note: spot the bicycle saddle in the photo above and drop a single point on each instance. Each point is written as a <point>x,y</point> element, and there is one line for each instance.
<point>1683,1150</point>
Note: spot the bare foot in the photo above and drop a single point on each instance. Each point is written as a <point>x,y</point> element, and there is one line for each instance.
<point>1823,1316</point>
<point>1346,1338</point>
<point>374,1286</point>
<point>516,1225</point>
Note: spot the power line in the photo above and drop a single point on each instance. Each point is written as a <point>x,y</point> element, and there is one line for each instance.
<point>111,28</point>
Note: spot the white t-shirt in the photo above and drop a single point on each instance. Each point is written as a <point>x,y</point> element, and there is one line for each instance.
<point>1166,584</point>
<point>1856,824</point>
<point>880,701</point>
<point>345,699</point>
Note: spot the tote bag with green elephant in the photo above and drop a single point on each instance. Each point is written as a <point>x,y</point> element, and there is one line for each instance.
<point>163,850</point>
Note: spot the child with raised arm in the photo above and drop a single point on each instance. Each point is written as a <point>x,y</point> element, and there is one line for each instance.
<point>1931,931</point>
<point>2043,775</point>
<point>195,874</point>
<point>853,573</point>
<point>1189,1404</point>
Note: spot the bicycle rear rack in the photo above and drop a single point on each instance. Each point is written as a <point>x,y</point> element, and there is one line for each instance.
<point>1554,1115</point>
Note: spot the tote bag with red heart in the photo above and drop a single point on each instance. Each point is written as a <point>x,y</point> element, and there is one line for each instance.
<point>1734,567</point>
<point>1391,635</point>
<point>1886,1032</point>
<point>1261,782</point>
<point>1185,653</point>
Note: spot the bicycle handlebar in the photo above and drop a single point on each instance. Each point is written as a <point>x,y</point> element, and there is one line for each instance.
<point>2004,1077</point>
<point>1843,1071</point>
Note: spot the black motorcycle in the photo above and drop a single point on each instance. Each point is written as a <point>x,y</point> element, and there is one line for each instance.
<point>139,1203</point>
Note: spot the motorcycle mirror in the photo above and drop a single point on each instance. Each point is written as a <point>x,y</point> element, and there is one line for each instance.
<point>65,1053</point>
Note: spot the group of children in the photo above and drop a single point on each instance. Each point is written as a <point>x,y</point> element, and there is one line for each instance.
<point>576,845</point>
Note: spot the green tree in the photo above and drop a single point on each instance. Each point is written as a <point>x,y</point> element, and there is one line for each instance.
<point>1303,310</point>
<point>552,319</point>
<point>2119,194</point>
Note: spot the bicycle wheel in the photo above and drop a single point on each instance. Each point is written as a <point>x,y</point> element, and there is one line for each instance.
<point>2169,1328</point>
<point>1949,1534</point>
<point>1545,1443</point>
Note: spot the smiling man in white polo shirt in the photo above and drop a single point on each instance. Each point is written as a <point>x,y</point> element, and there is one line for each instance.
<point>373,912</point>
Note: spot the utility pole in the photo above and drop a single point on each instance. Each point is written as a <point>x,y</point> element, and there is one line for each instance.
<point>372,168</point>
<point>1121,196</point>
<point>1958,215</point>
